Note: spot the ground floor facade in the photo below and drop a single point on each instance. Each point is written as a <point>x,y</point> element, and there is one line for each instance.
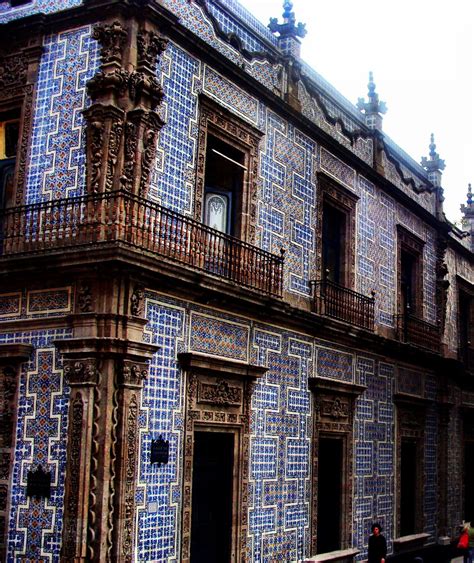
<point>139,424</point>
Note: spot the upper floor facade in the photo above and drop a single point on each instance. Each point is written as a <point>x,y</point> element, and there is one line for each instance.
<point>189,134</point>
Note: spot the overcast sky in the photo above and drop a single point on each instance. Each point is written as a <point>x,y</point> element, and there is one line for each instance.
<point>422,55</point>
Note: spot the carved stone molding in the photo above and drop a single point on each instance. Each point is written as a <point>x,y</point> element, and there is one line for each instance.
<point>334,403</point>
<point>229,128</point>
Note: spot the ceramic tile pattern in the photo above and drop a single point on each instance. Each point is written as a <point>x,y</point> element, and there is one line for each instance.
<point>7,13</point>
<point>35,525</point>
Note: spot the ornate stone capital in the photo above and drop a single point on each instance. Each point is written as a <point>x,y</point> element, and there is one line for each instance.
<point>112,39</point>
<point>149,45</point>
<point>132,374</point>
<point>81,372</point>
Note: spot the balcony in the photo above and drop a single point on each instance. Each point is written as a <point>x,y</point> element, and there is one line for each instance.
<point>338,302</point>
<point>119,217</point>
<point>412,330</point>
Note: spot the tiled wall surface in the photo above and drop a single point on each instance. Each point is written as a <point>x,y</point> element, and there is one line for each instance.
<point>7,13</point>
<point>35,525</point>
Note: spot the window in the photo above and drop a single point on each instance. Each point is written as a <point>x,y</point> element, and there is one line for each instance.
<point>223,186</point>
<point>227,172</point>
<point>410,275</point>
<point>9,135</point>
<point>336,233</point>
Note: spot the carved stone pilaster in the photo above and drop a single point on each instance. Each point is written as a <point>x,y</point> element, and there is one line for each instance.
<point>104,139</point>
<point>83,376</point>
<point>130,381</point>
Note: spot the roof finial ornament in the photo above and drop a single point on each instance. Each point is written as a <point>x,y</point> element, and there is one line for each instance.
<point>373,108</point>
<point>434,163</point>
<point>469,195</point>
<point>288,27</point>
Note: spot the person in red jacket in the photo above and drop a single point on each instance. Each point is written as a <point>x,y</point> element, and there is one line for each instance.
<point>377,545</point>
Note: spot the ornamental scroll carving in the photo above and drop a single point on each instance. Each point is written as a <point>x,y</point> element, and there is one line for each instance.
<point>13,74</point>
<point>74,466</point>
<point>220,393</point>
<point>130,478</point>
<point>84,298</point>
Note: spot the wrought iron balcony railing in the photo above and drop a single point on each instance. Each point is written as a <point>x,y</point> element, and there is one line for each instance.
<point>413,330</point>
<point>120,217</point>
<point>338,302</point>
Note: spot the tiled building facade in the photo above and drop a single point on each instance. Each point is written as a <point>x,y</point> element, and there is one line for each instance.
<point>225,294</point>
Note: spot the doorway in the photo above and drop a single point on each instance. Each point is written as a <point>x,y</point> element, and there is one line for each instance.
<point>212,497</point>
<point>330,478</point>
<point>408,488</point>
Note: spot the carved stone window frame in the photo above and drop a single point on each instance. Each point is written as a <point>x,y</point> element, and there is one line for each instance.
<point>334,406</point>
<point>219,122</point>
<point>410,243</point>
<point>410,425</point>
<point>218,398</point>
<point>337,196</point>
<point>18,71</point>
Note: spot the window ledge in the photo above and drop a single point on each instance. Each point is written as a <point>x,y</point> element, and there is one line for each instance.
<point>406,542</point>
<point>339,555</point>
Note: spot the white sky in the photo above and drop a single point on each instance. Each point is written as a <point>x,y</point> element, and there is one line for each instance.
<point>422,55</point>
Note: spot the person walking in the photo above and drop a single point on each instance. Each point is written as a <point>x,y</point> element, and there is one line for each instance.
<point>377,545</point>
<point>469,553</point>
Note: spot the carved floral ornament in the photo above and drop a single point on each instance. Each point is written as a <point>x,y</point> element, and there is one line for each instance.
<point>13,72</point>
<point>220,393</point>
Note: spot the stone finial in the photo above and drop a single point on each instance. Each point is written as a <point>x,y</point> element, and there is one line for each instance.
<point>288,28</point>
<point>434,166</point>
<point>373,108</point>
<point>289,31</point>
<point>469,195</point>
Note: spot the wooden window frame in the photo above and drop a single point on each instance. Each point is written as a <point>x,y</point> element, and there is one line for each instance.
<point>222,124</point>
<point>340,198</point>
